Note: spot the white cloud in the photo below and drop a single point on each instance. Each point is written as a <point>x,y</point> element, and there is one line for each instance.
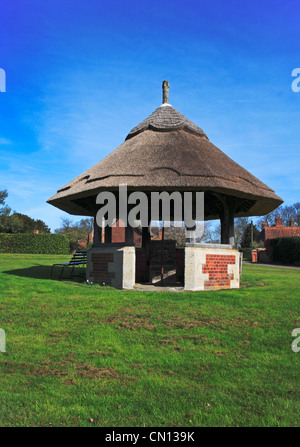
<point>5,141</point>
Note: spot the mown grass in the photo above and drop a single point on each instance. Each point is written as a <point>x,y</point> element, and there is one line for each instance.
<point>127,358</point>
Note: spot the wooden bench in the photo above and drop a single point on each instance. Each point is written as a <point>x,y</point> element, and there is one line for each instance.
<point>78,260</point>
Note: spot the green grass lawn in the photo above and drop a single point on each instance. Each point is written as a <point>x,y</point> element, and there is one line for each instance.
<point>128,358</point>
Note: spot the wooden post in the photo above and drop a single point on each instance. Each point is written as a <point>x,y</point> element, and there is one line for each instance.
<point>146,237</point>
<point>108,235</point>
<point>146,241</point>
<point>162,253</point>
<point>97,234</point>
<point>227,225</point>
<point>129,235</point>
<point>190,235</point>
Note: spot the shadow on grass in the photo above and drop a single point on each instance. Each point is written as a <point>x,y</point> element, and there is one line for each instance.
<point>44,272</point>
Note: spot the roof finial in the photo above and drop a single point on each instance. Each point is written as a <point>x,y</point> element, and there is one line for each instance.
<point>165,87</point>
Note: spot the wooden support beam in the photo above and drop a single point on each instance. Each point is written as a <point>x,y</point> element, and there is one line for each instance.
<point>108,235</point>
<point>162,254</point>
<point>129,235</point>
<point>146,238</point>
<point>227,224</point>
<point>97,234</point>
<point>190,235</point>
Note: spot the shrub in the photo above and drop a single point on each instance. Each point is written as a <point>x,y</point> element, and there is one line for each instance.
<point>247,253</point>
<point>89,246</point>
<point>34,243</point>
<point>286,250</point>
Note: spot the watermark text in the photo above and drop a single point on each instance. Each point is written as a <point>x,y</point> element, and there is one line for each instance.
<point>2,80</point>
<point>296,342</point>
<point>296,82</point>
<point>2,340</point>
<point>138,208</point>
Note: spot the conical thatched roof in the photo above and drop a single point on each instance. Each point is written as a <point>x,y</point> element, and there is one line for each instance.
<point>167,152</point>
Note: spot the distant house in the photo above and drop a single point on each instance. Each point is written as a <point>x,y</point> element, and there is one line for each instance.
<point>82,243</point>
<point>117,235</point>
<point>267,233</point>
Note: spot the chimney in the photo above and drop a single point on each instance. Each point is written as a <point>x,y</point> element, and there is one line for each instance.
<point>292,223</point>
<point>165,87</point>
<point>278,221</point>
<point>264,224</point>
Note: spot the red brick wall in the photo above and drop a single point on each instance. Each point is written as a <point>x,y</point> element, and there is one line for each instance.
<point>118,235</point>
<point>217,268</point>
<point>100,273</point>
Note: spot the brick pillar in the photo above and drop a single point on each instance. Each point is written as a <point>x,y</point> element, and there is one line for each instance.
<point>112,264</point>
<point>211,267</point>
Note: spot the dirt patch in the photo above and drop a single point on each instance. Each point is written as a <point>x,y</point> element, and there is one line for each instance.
<point>145,321</point>
<point>35,325</point>
<point>70,381</point>
<point>44,369</point>
<point>178,322</point>
<point>13,366</point>
<point>47,372</point>
<point>136,365</point>
<point>53,340</point>
<point>132,322</point>
<point>90,372</point>
<point>57,336</point>
<point>165,341</point>
<point>221,353</point>
<point>197,339</point>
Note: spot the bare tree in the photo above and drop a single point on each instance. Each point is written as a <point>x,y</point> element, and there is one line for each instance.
<point>286,212</point>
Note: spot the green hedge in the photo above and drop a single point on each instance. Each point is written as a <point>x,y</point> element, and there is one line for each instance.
<point>286,250</point>
<point>56,244</point>
<point>247,253</point>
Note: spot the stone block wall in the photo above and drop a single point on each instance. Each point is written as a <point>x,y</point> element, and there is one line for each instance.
<point>112,264</point>
<point>205,267</point>
<point>99,268</point>
<point>211,268</point>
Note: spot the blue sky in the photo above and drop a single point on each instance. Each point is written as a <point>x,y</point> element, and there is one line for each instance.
<point>81,74</point>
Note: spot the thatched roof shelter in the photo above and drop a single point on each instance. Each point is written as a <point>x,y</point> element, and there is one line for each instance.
<point>168,152</point>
